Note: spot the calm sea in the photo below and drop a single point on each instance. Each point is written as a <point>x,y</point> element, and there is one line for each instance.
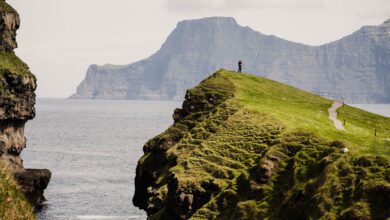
<point>92,148</point>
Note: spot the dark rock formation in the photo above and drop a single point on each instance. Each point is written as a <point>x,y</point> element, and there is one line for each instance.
<point>17,100</point>
<point>355,68</point>
<point>33,182</point>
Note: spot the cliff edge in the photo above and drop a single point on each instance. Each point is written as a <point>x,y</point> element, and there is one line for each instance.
<point>244,147</point>
<point>17,100</point>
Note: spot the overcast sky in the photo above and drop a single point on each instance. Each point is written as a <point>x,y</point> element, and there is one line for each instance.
<point>59,39</point>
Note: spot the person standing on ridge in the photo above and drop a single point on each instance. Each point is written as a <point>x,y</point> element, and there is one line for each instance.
<point>239,66</point>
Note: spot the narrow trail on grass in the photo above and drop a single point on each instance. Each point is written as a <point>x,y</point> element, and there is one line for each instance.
<point>333,115</point>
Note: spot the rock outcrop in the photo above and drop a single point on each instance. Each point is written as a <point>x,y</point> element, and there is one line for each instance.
<point>17,100</point>
<point>243,147</point>
<point>9,23</point>
<point>355,68</point>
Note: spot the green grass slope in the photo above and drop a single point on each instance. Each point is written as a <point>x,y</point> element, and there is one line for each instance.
<point>244,147</point>
<point>300,110</point>
<point>13,204</point>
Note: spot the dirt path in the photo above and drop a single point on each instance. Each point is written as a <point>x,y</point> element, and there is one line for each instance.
<point>333,115</point>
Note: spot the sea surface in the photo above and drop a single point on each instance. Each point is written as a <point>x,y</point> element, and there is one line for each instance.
<point>380,109</point>
<point>92,148</point>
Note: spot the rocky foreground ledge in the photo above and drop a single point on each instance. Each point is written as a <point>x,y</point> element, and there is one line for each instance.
<point>17,100</point>
<point>243,147</point>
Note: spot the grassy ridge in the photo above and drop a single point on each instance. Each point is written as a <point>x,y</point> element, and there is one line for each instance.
<point>265,150</point>
<point>13,204</point>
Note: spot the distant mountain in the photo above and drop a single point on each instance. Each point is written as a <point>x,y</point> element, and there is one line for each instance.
<point>356,67</point>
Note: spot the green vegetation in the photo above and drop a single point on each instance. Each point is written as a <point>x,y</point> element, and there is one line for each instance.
<point>244,147</point>
<point>369,132</point>
<point>303,111</point>
<point>13,204</point>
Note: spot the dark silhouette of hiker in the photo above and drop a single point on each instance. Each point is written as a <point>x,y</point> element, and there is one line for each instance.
<point>239,66</point>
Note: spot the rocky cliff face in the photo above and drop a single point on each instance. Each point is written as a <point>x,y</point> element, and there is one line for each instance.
<point>17,100</point>
<point>8,25</point>
<point>355,68</point>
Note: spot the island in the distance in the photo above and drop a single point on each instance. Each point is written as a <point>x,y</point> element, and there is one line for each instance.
<point>246,147</point>
<point>355,68</point>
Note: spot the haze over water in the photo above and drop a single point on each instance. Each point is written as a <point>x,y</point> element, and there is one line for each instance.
<point>92,148</point>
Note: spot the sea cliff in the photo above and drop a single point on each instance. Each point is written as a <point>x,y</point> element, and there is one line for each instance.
<point>17,100</point>
<point>244,147</point>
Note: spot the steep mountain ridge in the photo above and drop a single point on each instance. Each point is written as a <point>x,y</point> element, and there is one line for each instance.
<point>355,67</point>
<point>244,147</point>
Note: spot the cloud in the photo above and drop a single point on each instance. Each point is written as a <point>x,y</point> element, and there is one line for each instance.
<point>198,6</point>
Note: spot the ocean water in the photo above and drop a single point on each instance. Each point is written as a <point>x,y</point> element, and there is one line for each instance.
<point>380,109</point>
<point>92,148</point>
